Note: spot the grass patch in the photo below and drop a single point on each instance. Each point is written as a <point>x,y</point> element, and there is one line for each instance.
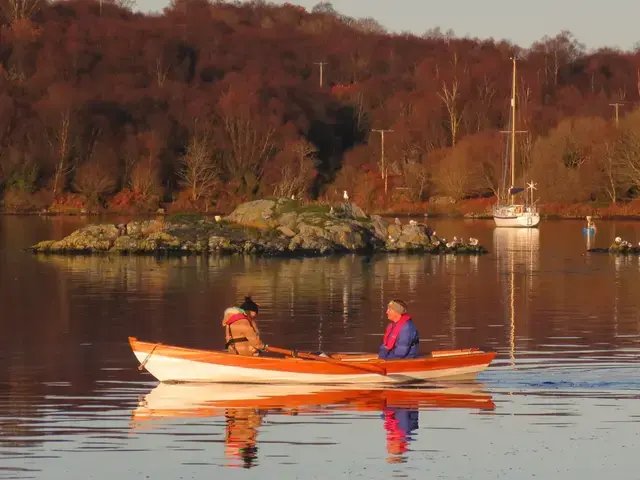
<point>185,217</point>
<point>293,206</point>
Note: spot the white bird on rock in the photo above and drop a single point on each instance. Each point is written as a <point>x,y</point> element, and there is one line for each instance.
<point>345,195</point>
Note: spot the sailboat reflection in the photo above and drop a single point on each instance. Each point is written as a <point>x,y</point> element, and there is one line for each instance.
<point>245,406</point>
<point>517,250</point>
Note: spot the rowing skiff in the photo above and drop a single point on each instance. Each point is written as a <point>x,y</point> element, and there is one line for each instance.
<point>178,364</point>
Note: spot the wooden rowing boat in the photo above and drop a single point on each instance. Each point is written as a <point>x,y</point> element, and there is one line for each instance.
<point>168,401</point>
<point>178,364</point>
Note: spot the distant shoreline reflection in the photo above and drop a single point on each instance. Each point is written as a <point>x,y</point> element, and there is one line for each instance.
<point>245,407</point>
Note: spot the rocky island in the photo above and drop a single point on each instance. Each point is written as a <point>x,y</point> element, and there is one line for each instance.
<point>276,226</point>
<point>618,247</point>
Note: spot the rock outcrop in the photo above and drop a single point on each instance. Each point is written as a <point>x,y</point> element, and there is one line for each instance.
<point>271,227</point>
<point>618,247</point>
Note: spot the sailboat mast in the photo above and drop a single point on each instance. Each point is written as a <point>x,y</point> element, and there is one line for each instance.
<point>513,128</point>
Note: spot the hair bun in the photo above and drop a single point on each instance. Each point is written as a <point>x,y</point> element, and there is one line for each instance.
<point>249,304</point>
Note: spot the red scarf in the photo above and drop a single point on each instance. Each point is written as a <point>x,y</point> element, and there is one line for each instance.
<point>235,317</point>
<point>392,332</point>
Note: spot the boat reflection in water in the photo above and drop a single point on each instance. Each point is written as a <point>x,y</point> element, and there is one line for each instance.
<point>245,406</point>
<point>518,254</point>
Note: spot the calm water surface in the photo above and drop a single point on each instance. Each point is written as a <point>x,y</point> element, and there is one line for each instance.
<point>561,400</point>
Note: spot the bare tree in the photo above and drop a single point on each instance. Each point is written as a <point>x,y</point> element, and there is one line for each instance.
<point>199,172</point>
<point>126,4</point>
<point>454,175</point>
<point>629,157</point>
<point>324,7</point>
<point>161,71</point>
<point>558,52</point>
<point>145,180</point>
<point>417,179</point>
<point>61,140</point>
<point>248,134</point>
<point>486,92</point>
<point>369,25</point>
<point>297,170</point>
<point>14,10</point>
<point>611,168</point>
<point>94,180</point>
<point>449,97</point>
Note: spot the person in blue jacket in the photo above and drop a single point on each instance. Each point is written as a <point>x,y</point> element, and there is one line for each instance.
<point>401,338</point>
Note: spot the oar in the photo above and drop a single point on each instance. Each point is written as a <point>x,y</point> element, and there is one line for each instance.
<point>309,356</point>
<point>452,353</point>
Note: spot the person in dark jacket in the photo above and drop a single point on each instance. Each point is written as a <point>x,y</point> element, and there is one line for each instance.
<point>401,339</point>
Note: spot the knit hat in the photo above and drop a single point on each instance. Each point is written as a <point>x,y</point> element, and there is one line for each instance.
<point>398,306</point>
<point>249,305</point>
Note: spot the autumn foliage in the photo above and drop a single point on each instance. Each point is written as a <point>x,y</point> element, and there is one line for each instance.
<point>210,103</point>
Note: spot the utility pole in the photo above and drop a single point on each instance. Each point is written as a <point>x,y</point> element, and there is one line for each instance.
<point>321,71</point>
<point>617,107</point>
<point>384,167</point>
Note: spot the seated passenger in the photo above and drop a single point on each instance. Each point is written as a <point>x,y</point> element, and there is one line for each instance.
<point>401,338</point>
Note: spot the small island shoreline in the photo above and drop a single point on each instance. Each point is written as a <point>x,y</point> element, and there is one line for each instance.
<point>475,209</point>
<point>271,227</point>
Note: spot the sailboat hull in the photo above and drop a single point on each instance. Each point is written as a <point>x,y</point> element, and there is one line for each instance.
<point>514,217</point>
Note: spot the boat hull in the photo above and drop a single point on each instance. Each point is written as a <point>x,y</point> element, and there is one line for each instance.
<point>516,216</point>
<point>521,221</point>
<point>177,364</point>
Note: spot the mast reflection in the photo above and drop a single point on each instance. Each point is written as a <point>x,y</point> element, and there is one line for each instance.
<point>517,251</point>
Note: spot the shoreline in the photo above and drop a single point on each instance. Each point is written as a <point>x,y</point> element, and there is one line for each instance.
<point>262,227</point>
<point>468,216</point>
<point>470,209</point>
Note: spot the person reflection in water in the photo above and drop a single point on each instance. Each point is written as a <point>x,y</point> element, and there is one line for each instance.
<point>399,424</point>
<point>242,435</point>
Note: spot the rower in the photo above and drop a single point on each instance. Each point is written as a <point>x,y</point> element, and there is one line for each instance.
<point>241,332</point>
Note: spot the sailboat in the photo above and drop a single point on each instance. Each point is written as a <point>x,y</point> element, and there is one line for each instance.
<point>507,212</point>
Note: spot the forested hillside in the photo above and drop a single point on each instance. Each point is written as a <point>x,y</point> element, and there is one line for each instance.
<point>211,103</point>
